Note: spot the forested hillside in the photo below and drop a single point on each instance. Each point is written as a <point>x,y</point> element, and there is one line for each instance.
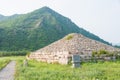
<point>36,29</point>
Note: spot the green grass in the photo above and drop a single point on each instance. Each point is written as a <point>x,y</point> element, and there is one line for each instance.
<point>88,71</point>
<point>69,36</point>
<point>3,62</point>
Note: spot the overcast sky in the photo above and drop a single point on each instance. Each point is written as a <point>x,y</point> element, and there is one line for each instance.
<point>101,17</point>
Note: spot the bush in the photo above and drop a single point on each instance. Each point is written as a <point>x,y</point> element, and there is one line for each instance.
<point>99,53</point>
<point>94,53</point>
<point>70,36</point>
<point>70,61</point>
<point>103,52</point>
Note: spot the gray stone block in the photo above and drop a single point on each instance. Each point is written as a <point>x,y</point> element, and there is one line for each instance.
<point>75,61</point>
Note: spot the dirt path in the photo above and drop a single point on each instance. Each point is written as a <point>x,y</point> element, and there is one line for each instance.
<point>7,73</point>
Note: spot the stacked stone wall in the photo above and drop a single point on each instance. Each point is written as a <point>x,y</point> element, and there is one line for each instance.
<point>51,57</point>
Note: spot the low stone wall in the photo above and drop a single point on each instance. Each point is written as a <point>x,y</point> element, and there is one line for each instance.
<point>65,57</point>
<point>51,57</point>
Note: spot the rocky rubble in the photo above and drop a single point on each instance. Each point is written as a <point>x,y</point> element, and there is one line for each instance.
<point>61,50</point>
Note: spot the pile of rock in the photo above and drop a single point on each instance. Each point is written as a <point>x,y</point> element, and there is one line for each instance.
<point>61,50</point>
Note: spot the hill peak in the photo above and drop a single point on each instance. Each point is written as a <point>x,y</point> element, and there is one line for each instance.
<point>46,8</point>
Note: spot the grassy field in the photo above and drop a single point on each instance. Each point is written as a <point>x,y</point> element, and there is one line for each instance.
<point>88,71</point>
<point>3,62</point>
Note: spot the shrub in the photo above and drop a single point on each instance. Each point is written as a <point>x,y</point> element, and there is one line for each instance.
<point>99,53</point>
<point>28,54</point>
<point>70,36</point>
<point>94,53</point>
<point>103,52</point>
<point>70,61</point>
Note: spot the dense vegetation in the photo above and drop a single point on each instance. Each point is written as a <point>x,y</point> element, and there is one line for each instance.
<point>13,53</point>
<point>36,29</point>
<point>117,46</point>
<point>3,62</point>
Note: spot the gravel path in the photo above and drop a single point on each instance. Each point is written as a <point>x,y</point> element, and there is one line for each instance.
<point>7,73</point>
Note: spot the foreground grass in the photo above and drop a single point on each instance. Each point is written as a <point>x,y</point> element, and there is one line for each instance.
<point>43,71</point>
<point>88,71</point>
<point>3,62</point>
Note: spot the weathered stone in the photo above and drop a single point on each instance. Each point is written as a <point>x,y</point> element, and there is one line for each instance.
<point>76,61</point>
<point>62,49</point>
<point>75,58</point>
<point>114,58</point>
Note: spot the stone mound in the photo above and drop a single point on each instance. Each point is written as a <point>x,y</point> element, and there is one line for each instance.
<point>76,43</point>
<point>73,43</point>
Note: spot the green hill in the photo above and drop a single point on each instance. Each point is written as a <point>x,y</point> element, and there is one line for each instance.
<point>37,29</point>
<point>1,17</point>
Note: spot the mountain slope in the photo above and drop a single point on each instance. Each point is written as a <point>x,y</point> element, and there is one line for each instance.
<point>1,17</point>
<point>37,29</point>
<point>118,44</point>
